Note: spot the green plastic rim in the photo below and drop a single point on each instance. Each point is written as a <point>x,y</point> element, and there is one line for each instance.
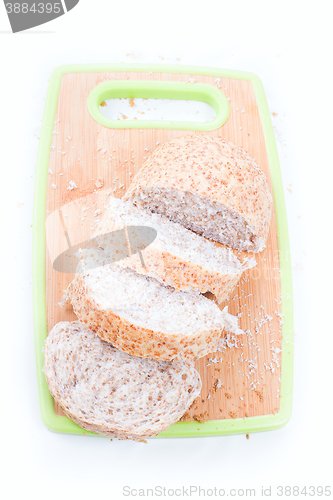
<point>179,429</point>
<point>159,90</point>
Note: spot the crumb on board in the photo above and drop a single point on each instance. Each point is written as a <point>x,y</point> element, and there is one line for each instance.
<point>260,396</point>
<point>201,417</point>
<point>103,104</point>
<point>186,417</point>
<point>217,385</point>
<point>72,185</point>
<point>99,183</point>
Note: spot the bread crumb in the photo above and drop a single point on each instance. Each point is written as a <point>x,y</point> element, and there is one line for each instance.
<point>99,183</point>
<point>217,385</point>
<point>71,186</point>
<point>185,418</point>
<point>202,417</point>
<point>260,396</point>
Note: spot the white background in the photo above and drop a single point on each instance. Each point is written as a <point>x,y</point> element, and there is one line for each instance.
<point>289,45</point>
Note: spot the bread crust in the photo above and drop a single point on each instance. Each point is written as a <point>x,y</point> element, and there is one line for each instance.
<point>136,340</point>
<point>182,274</point>
<point>214,170</point>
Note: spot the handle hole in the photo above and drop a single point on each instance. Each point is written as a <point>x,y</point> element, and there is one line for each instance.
<point>124,108</point>
<point>124,104</point>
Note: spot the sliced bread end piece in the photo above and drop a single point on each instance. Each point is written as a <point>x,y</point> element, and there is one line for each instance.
<point>210,186</point>
<point>112,393</point>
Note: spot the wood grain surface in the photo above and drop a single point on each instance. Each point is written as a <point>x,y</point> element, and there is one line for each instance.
<point>243,378</point>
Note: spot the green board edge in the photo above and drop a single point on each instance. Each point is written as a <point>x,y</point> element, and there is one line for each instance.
<point>179,429</point>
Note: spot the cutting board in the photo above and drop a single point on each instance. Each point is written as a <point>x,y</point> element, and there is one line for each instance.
<point>85,157</point>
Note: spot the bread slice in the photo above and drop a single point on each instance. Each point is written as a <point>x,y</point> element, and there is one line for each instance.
<point>177,257</point>
<point>144,318</point>
<point>209,186</point>
<point>112,393</point>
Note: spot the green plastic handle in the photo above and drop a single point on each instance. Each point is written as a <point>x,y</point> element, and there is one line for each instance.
<point>159,90</point>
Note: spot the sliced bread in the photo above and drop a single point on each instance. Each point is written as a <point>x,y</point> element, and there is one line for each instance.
<point>142,317</point>
<point>112,393</point>
<point>177,257</point>
<point>209,186</point>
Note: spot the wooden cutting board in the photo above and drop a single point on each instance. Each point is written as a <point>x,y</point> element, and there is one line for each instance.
<point>89,162</point>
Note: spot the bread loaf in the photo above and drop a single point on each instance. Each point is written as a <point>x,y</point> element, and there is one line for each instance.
<point>209,186</point>
<point>110,392</point>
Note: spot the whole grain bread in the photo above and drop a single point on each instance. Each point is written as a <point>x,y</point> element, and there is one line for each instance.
<point>177,257</point>
<point>142,317</point>
<point>110,392</point>
<point>210,186</point>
